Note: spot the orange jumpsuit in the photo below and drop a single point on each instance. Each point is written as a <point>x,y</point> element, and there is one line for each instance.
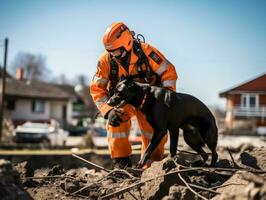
<point>119,145</point>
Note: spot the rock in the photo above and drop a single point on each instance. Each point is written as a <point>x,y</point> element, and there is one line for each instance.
<point>71,172</point>
<point>255,158</point>
<point>10,185</point>
<point>246,147</point>
<point>159,187</point>
<point>25,170</point>
<point>70,185</point>
<point>56,170</point>
<point>181,192</point>
<point>107,183</point>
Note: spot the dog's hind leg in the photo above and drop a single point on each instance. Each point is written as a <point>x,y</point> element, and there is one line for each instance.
<point>211,137</point>
<point>193,138</point>
<point>174,134</point>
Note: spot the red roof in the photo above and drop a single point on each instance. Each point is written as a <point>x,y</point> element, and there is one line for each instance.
<point>255,85</point>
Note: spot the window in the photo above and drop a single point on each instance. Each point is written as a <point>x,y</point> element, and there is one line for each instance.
<point>38,106</point>
<point>250,100</point>
<point>11,104</point>
<point>244,101</point>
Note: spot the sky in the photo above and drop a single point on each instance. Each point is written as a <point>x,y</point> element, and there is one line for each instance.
<point>214,45</point>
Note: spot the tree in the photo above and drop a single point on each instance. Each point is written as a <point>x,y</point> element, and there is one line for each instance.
<point>34,66</point>
<point>61,79</point>
<point>84,93</point>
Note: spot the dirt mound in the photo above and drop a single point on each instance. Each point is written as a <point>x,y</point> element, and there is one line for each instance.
<point>243,186</point>
<point>180,177</point>
<point>175,175</point>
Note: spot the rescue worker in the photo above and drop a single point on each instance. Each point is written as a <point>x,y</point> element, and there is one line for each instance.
<point>128,56</point>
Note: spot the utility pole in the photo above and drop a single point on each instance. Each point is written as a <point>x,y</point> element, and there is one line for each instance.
<point>2,102</point>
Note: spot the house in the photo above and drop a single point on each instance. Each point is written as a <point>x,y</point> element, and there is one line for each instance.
<point>35,100</point>
<point>246,105</point>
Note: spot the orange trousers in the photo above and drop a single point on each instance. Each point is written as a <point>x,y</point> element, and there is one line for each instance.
<point>118,137</point>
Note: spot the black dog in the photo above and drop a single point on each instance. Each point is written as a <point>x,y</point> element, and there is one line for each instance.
<point>167,110</point>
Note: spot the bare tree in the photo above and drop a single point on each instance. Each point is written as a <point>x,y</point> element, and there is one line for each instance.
<point>34,66</point>
<point>61,79</point>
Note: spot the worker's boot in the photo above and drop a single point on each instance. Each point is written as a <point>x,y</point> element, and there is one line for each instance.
<point>121,163</point>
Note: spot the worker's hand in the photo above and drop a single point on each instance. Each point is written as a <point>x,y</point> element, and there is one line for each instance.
<point>115,117</point>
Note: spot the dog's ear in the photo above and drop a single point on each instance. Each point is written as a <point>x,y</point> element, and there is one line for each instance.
<point>129,82</point>
<point>127,78</point>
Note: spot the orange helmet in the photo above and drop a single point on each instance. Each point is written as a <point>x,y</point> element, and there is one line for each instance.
<point>116,36</point>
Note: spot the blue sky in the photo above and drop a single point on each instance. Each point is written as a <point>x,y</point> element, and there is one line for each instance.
<point>214,45</point>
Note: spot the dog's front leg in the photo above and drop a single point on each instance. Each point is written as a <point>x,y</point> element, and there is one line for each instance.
<point>174,134</point>
<point>156,139</point>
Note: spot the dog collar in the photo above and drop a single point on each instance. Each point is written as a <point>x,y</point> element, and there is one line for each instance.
<point>143,101</point>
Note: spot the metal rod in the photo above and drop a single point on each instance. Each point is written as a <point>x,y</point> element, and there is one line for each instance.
<point>91,163</point>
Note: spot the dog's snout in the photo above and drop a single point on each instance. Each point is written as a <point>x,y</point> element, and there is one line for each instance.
<point>109,102</point>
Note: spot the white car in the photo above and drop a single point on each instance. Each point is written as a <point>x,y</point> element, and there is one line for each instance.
<point>98,137</point>
<point>48,134</point>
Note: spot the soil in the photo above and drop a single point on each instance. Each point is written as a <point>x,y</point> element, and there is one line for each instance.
<point>181,177</point>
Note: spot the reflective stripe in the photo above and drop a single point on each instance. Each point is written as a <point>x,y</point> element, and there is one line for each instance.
<point>100,81</point>
<point>169,83</point>
<point>118,134</point>
<point>162,67</point>
<point>101,101</point>
<point>147,134</point>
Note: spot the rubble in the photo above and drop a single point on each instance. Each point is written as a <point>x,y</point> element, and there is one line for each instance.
<point>10,185</point>
<point>254,158</point>
<point>238,177</point>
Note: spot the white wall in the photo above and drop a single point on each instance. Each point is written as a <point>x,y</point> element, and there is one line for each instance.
<point>23,111</point>
<point>56,110</point>
<point>53,109</point>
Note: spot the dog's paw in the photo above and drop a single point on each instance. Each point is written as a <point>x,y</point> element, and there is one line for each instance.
<point>197,163</point>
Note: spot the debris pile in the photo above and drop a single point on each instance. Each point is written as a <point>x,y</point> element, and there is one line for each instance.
<point>238,175</point>
<point>10,185</point>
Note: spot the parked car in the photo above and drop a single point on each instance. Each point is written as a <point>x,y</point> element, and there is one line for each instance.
<point>44,133</point>
<point>77,130</point>
<point>98,137</point>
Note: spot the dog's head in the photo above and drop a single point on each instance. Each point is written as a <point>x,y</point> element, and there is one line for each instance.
<point>124,93</point>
